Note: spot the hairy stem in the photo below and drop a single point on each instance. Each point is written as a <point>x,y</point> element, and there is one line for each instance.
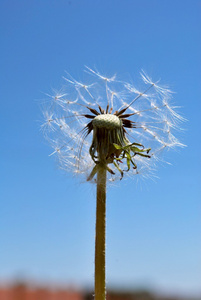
<point>100,290</point>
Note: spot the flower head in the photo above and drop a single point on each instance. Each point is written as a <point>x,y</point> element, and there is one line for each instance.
<point>112,123</point>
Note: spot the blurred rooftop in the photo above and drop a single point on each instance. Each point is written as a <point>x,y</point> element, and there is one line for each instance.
<point>21,291</point>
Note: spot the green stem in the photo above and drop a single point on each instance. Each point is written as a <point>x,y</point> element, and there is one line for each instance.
<point>100,290</point>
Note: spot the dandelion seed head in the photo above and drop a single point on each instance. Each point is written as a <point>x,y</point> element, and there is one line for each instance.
<point>112,121</point>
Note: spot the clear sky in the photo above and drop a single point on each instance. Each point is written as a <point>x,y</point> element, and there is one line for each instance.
<point>47,218</point>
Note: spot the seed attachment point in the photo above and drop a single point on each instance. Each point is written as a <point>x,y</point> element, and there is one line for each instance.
<point>107,121</point>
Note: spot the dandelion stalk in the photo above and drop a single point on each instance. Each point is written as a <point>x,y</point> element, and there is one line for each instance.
<point>100,289</point>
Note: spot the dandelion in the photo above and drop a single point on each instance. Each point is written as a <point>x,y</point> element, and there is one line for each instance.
<point>108,129</point>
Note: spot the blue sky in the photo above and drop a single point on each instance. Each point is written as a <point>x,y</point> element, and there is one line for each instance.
<point>47,218</point>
